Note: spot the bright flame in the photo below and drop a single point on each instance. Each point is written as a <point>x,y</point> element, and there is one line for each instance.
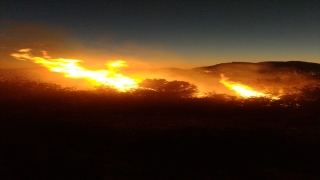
<point>70,68</point>
<point>243,90</point>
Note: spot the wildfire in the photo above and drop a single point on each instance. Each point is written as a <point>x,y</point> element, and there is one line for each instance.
<point>243,90</point>
<point>71,68</point>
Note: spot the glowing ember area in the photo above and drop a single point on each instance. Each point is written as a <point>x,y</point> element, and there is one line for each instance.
<point>70,68</point>
<point>243,90</point>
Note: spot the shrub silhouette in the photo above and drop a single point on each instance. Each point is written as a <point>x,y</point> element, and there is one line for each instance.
<point>162,87</point>
<point>21,89</point>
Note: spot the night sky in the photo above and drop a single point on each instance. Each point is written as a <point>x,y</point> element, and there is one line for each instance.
<point>195,33</point>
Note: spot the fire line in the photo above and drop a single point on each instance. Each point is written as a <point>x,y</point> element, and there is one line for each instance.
<point>243,90</point>
<point>71,68</point>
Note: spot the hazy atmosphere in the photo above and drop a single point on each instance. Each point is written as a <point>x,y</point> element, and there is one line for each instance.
<point>162,34</point>
<point>160,89</point>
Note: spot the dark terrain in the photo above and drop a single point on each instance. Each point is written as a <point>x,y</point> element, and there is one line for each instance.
<point>50,132</point>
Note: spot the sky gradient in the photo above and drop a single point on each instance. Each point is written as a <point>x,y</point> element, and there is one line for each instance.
<point>179,33</point>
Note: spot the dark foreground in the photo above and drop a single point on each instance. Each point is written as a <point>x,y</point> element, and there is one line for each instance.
<point>121,138</point>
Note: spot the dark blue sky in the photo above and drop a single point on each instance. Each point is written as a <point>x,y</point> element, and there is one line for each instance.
<point>196,32</point>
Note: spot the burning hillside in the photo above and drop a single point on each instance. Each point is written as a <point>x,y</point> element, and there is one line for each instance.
<point>267,79</point>
<point>71,68</point>
<point>243,90</point>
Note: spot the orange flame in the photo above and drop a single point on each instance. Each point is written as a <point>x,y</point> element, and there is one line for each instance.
<point>243,90</point>
<point>70,68</point>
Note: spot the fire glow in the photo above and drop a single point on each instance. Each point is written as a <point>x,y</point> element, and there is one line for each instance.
<point>111,77</point>
<point>71,68</point>
<point>243,90</point>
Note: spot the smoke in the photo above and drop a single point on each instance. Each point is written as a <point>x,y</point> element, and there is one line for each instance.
<point>38,36</point>
<point>144,61</point>
<point>59,42</point>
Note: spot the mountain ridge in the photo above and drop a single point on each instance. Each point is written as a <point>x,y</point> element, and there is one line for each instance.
<point>265,67</point>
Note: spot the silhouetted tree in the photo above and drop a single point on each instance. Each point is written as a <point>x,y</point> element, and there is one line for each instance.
<point>169,88</point>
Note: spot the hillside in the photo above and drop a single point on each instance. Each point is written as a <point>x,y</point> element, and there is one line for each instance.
<point>273,77</point>
<point>50,132</point>
<point>264,68</point>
